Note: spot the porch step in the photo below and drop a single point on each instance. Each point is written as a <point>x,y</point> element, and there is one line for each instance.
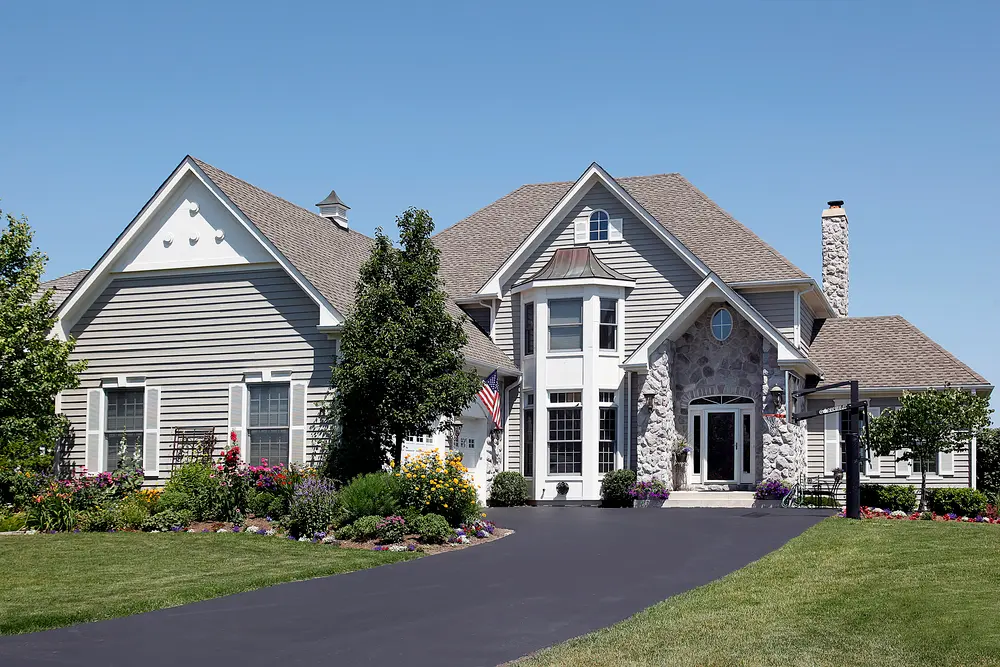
<point>710,499</point>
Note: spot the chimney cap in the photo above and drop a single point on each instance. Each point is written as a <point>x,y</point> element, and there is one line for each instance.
<point>333,199</point>
<point>836,203</point>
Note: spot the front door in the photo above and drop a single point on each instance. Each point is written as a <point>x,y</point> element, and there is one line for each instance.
<point>720,446</point>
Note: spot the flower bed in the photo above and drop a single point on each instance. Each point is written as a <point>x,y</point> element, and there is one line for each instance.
<point>990,516</point>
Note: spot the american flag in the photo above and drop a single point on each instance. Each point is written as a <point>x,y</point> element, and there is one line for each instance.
<point>490,396</point>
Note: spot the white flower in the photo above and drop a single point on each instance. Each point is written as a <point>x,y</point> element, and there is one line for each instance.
<point>877,510</point>
<point>154,531</point>
<point>190,530</point>
<point>270,532</point>
<point>329,539</point>
<point>397,547</point>
<point>31,532</point>
<point>303,539</point>
<point>222,530</point>
<point>898,513</point>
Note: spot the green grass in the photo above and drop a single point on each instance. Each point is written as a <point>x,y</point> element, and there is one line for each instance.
<point>880,593</point>
<point>48,581</point>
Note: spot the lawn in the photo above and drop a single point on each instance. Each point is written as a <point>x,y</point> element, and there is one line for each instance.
<point>880,593</point>
<point>48,581</point>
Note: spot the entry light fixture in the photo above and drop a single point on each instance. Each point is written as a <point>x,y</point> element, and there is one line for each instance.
<point>648,397</point>
<point>777,398</point>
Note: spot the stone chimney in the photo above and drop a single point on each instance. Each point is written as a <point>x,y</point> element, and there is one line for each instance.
<point>332,208</point>
<point>836,257</point>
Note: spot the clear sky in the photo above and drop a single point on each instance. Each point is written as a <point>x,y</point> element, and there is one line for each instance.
<point>771,108</point>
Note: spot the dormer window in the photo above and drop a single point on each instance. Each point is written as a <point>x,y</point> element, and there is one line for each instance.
<point>599,226</point>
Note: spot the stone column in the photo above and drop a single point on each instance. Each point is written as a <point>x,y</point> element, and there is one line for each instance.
<point>656,433</point>
<point>836,257</point>
<point>784,445</point>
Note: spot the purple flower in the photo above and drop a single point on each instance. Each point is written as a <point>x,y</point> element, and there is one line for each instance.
<point>236,529</point>
<point>261,531</point>
<point>411,547</point>
<point>175,528</point>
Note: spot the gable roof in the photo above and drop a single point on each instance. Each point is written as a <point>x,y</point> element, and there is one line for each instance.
<point>62,285</point>
<point>886,351</point>
<point>329,256</point>
<point>474,248</point>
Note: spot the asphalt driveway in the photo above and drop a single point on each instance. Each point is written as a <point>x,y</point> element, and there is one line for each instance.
<point>565,572</point>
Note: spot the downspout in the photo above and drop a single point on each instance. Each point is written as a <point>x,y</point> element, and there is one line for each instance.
<point>506,433</point>
<point>972,458</point>
<point>628,420</point>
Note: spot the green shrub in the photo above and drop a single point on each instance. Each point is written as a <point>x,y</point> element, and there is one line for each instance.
<point>891,497</point>
<point>366,527</point>
<point>346,532</point>
<point>130,512</point>
<point>18,486</point>
<point>615,488</point>
<point>432,528</point>
<point>820,501</point>
<point>373,494</point>
<point>52,509</point>
<point>263,504</point>
<point>12,522</point>
<point>509,489</point>
<point>961,501</point>
<point>312,507</point>
<point>190,487</point>
<point>391,529</point>
<point>99,519</point>
<point>168,519</point>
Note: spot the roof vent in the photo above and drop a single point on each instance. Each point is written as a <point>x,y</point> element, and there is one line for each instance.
<point>334,209</point>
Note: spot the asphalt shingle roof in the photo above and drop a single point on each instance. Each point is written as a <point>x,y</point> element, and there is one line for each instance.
<point>329,256</point>
<point>885,351</point>
<point>63,285</point>
<point>474,248</point>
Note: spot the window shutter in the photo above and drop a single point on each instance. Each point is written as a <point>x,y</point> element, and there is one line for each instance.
<point>873,468</point>
<point>946,463</point>
<point>581,230</point>
<point>831,441</point>
<point>95,403</point>
<point>151,433</point>
<point>297,432</point>
<point>237,408</point>
<point>902,467</point>
<point>615,229</point>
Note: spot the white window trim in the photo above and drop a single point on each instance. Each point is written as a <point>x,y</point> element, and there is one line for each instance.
<point>590,220</point>
<point>873,468</point>
<point>732,324</point>
<point>611,351</point>
<point>533,407</point>
<point>124,382</point>
<point>549,325</point>
<point>561,406</point>
<point>618,429</point>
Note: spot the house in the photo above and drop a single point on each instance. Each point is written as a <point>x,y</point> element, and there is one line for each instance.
<point>622,315</point>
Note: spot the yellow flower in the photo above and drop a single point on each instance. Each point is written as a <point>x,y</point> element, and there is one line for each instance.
<point>446,505</point>
<point>484,515</point>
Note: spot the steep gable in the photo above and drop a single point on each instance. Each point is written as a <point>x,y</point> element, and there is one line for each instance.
<point>474,248</point>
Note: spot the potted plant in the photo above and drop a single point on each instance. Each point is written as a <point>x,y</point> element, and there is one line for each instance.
<point>649,494</point>
<point>681,451</point>
<point>562,488</point>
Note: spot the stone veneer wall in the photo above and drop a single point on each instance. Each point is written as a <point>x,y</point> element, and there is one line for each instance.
<point>698,365</point>
<point>836,259</point>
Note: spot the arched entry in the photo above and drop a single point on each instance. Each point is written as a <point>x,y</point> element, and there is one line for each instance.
<point>721,433</point>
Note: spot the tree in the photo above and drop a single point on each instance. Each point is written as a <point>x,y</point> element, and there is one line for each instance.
<point>34,367</point>
<point>988,460</point>
<point>929,423</point>
<point>401,367</point>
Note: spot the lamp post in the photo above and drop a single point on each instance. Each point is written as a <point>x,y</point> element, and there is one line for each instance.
<point>454,425</point>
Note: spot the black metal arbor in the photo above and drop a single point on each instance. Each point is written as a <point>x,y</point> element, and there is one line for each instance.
<point>852,437</point>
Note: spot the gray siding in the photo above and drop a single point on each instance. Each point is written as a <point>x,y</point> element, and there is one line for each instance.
<point>513,428</point>
<point>479,315</point>
<point>507,333</point>
<point>778,308</point>
<point>633,416</point>
<point>887,466</point>
<point>193,335</point>
<point>807,319</point>
<point>662,278</point>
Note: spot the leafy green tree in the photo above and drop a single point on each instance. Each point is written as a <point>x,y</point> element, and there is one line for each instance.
<point>928,423</point>
<point>401,366</point>
<point>988,460</point>
<point>34,367</point>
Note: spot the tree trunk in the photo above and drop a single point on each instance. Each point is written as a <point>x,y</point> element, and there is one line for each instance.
<point>397,452</point>
<point>923,485</point>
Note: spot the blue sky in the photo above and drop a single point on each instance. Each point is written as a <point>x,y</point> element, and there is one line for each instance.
<point>771,108</point>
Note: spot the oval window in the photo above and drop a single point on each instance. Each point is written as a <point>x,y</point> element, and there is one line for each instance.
<point>722,324</point>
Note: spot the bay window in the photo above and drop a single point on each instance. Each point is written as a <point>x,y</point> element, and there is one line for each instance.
<point>565,325</point>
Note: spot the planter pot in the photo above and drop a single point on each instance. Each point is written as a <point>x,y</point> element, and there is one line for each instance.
<point>648,504</point>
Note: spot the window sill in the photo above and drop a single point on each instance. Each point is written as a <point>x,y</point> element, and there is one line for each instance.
<point>565,353</point>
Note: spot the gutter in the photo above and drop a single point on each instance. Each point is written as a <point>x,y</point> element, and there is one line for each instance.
<point>886,390</point>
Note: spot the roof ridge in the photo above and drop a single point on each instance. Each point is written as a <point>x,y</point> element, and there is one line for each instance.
<point>202,163</point>
<point>726,213</point>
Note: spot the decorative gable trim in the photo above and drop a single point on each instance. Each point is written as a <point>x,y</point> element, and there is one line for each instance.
<point>593,175</point>
<point>713,289</point>
<point>73,307</point>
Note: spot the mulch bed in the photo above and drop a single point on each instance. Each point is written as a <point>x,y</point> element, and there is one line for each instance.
<point>431,548</point>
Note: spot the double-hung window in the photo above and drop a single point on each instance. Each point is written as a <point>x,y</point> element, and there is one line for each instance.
<point>608,436</point>
<point>529,328</point>
<point>528,455</point>
<point>931,464</point>
<point>565,434</point>
<point>267,426</point>
<point>565,325</point>
<point>609,324</point>
<point>123,420</point>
